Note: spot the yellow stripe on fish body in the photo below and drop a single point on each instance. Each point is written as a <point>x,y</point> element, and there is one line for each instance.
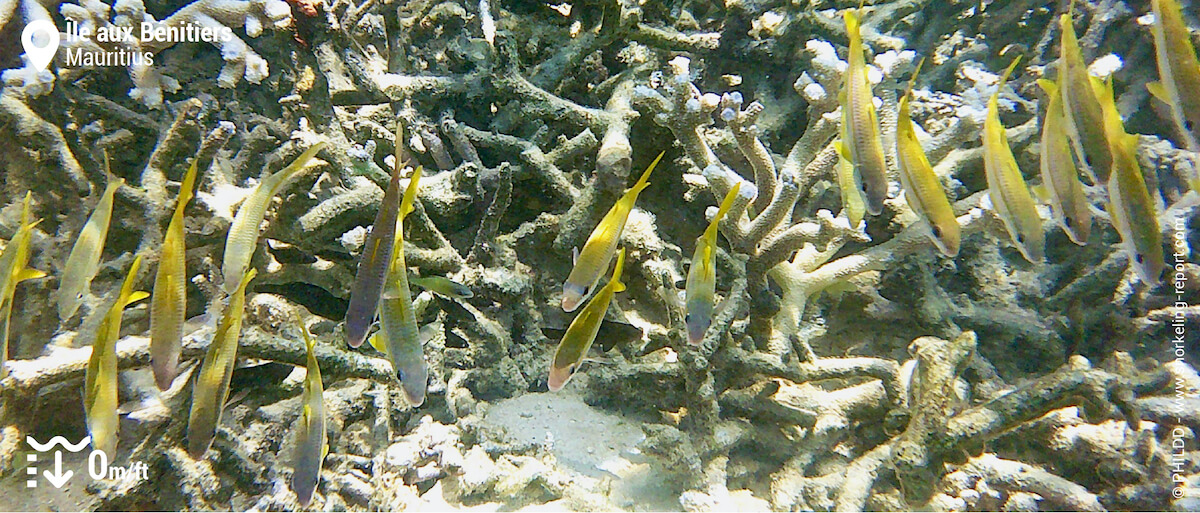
<point>1081,109</point>
<point>701,288</point>
<point>243,233</point>
<point>601,245</point>
<point>1178,69</point>
<point>100,380</point>
<point>311,442</point>
<point>168,306</point>
<point>922,189</point>
<point>399,334</point>
<point>1059,174</point>
<point>84,259</point>
<point>1009,194</point>
<point>864,146</point>
<point>582,332</point>
<point>212,383</point>
<point>1131,207</point>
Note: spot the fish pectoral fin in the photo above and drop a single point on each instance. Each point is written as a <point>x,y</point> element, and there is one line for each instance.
<point>307,413</point>
<point>29,274</point>
<point>842,150</point>
<point>427,332</point>
<point>986,203</point>
<point>574,255</point>
<point>1041,192</point>
<point>1158,91</point>
<point>237,397</point>
<point>324,451</point>
<point>377,343</point>
<point>137,296</point>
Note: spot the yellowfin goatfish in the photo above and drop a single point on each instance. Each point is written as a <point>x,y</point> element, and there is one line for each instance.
<point>399,337</point>
<point>582,332</point>
<point>601,245</point>
<point>169,303</point>
<point>374,263</point>
<point>1178,69</point>
<point>84,260</point>
<point>444,286</point>
<point>1081,108</point>
<point>13,270</point>
<point>243,233</point>
<point>311,443</point>
<point>1133,212</point>
<point>702,276</point>
<point>922,188</point>
<point>100,382</point>
<point>861,143</point>
<point>212,384</point>
<point>1009,194</point>
<point>1059,175</point>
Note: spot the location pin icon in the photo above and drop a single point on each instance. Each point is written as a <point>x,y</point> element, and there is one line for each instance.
<point>40,39</point>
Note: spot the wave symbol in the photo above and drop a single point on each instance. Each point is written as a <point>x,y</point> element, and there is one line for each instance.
<point>58,440</point>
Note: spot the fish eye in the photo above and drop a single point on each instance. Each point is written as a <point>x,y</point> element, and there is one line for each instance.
<point>937,232</point>
<point>864,186</point>
<point>1139,258</point>
<point>400,375</point>
<point>1189,125</point>
<point>571,369</point>
<point>1067,221</point>
<point>79,296</point>
<point>687,318</point>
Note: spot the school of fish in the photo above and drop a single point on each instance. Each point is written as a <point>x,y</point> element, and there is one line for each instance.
<point>1082,133</point>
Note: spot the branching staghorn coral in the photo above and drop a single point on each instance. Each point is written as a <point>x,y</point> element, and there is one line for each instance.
<point>534,133</point>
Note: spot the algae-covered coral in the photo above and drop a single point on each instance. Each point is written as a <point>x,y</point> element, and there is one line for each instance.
<point>849,364</point>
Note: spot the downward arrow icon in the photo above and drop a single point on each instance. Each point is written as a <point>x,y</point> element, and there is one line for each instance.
<point>58,478</point>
